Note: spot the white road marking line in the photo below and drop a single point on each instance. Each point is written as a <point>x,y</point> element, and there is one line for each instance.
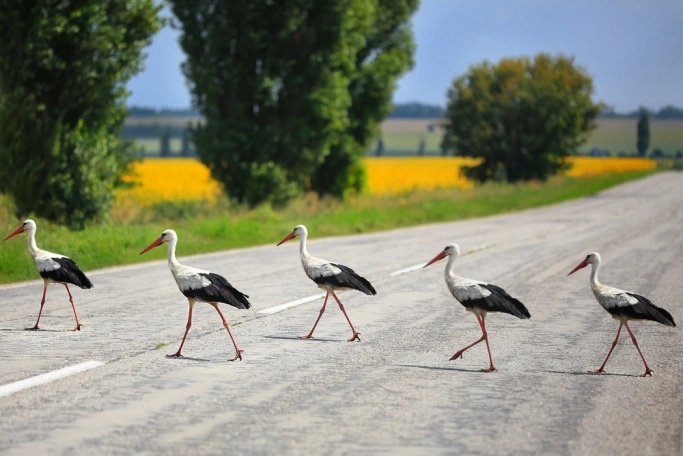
<point>298,302</point>
<point>287,305</point>
<point>11,388</point>
<point>407,270</point>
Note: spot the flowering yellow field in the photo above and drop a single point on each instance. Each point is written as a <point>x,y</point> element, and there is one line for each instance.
<point>163,179</point>
<point>185,179</point>
<point>586,166</point>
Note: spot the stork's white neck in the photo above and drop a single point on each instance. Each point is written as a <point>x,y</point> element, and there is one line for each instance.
<point>303,252</point>
<point>594,273</point>
<point>172,261</point>
<point>450,266</point>
<point>32,246</point>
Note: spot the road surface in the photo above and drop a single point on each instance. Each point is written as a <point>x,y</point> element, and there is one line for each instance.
<point>395,392</point>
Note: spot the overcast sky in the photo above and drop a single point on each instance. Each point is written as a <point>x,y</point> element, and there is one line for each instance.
<point>632,49</point>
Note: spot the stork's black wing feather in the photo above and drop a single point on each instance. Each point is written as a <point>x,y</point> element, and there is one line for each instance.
<point>347,278</point>
<point>498,301</point>
<point>219,290</point>
<point>643,310</point>
<point>68,272</point>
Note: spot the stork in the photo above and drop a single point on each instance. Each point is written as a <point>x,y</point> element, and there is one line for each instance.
<point>330,277</point>
<point>479,298</point>
<point>200,286</point>
<point>53,268</point>
<point>624,306</point>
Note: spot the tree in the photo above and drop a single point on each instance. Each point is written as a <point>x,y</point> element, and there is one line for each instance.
<point>278,85</point>
<point>643,142</point>
<point>521,117</point>
<point>386,54</point>
<point>63,70</point>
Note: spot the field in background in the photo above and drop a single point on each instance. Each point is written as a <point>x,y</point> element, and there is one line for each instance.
<point>159,180</point>
<point>402,137</point>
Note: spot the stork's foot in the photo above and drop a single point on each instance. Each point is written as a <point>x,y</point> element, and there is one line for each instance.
<point>456,356</point>
<point>238,355</point>
<point>32,328</point>
<point>77,328</point>
<point>597,371</point>
<point>174,355</point>
<point>490,369</point>
<point>648,373</point>
<point>356,336</point>
<point>307,336</point>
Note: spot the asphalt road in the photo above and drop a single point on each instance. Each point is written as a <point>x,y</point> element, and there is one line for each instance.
<point>393,393</point>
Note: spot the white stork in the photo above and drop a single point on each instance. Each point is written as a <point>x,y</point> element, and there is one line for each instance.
<point>53,268</point>
<point>624,306</point>
<point>329,277</point>
<point>479,298</point>
<point>200,286</point>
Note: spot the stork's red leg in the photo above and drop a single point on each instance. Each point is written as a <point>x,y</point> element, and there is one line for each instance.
<point>187,329</point>
<point>322,310</point>
<point>614,344</point>
<point>356,334</point>
<point>482,323</point>
<point>648,371</point>
<point>40,312</point>
<point>483,337</point>
<point>71,298</point>
<point>238,352</point>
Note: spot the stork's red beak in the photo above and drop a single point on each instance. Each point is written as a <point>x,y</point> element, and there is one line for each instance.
<point>581,265</point>
<point>440,256</point>
<point>15,232</point>
<point>156,243</point>
<point>289,236</point>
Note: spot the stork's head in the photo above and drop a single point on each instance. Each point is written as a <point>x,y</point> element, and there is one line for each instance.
<point>28,225</point>
<point>166,236</point>
<point>299,230</point>
<point>450,249</point>
<point>591,258</point>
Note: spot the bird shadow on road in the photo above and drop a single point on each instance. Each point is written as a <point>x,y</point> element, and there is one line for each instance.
<point>31,331</point>
<point>458,369</point>
<point>188,358</point>
<point>589,373</point>
<point>298,338</point>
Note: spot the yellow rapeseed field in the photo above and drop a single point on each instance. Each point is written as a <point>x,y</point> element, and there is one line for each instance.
<point>163,179</point>
<point>185,179</point>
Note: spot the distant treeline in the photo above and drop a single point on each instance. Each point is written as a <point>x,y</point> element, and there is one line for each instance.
<point>412,111</point>
<point>401,111</point>
<point>667,112</point>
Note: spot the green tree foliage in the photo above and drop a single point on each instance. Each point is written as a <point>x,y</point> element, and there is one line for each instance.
<point>521,117</point>
<point>386,54</point>
<point>63,69</point>
<point>279,85</point>
<point>643,142</point>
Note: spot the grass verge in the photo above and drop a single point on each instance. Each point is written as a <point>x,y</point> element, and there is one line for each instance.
<point>204,227</point>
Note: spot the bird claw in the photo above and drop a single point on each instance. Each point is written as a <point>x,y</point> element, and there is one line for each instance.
<point>174,355</point>
<point>77,328</point>
<point>307,336</point>
<point>648,373</point>
<point>597,371</point>
<point>238,355</point>
<point>356,336</point>
<point>32,328</point>
<point>456,356</point>
<point>490,369</point>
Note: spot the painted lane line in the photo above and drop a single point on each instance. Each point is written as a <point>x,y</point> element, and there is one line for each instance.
<point>287,305</point>
<point>407,270</point>
<point>11,388</point>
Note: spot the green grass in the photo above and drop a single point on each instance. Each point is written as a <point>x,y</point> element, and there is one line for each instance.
<point>219,226</point>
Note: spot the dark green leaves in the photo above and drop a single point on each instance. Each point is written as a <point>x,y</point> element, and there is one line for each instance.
<point>63,69</point>
<point>520,117</point>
